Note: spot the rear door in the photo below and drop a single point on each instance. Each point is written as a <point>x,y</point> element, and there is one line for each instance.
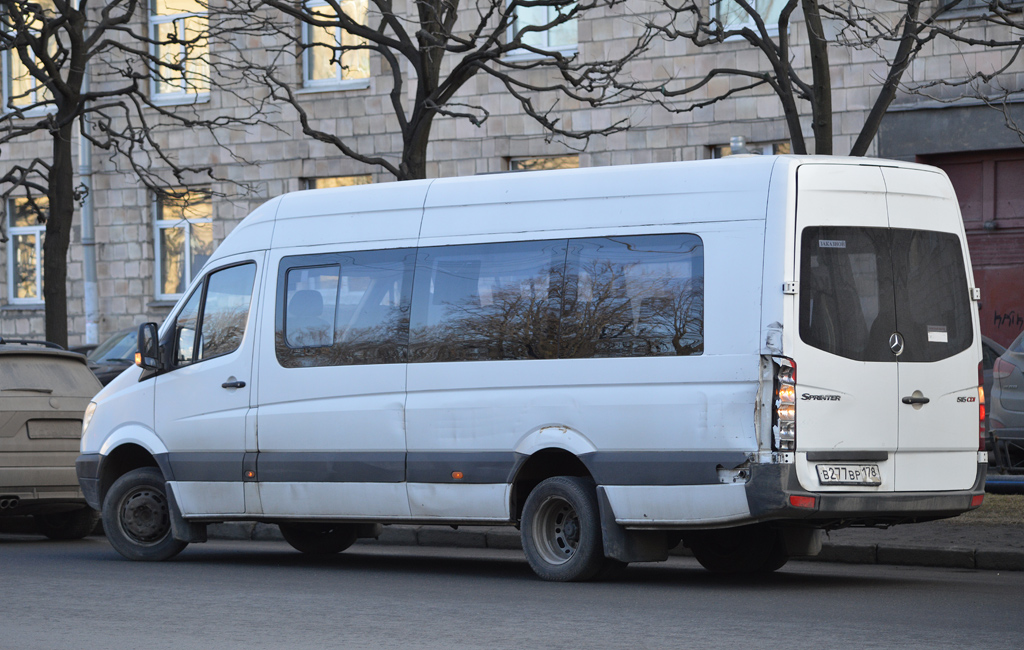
<point>846,375</point>
<point>938,367</point>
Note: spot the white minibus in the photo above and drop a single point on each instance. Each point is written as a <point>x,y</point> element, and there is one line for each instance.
<point>734,355</point>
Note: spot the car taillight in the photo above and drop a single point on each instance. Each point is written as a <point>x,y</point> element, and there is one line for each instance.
<point>1001,369</point>
<point>784,402</point>
<point>981,408</point>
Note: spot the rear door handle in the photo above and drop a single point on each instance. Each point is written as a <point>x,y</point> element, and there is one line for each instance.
<point>233,384</point>
<point>916,400</point>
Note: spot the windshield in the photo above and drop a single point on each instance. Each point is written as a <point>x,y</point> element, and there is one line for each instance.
<point>119,347</point>
<point>859,286</point>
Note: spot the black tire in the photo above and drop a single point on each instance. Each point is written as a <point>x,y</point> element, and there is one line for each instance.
<point>561,530</point>
<point>74,524</point>
<point>136,517</point>
<point>747,549</point>
<point>319,539</point>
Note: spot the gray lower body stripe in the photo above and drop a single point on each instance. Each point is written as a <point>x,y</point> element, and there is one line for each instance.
<point>477,467</point>
<point>660,467</point>
<point>331,467</point>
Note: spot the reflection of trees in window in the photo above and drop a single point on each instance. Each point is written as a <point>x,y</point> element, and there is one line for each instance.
<point>345,309</point>
<point>516,321</point>
<point>223,319</point>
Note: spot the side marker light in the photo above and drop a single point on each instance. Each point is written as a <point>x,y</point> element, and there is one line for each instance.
<point>976,500</point>
<point>457,476</point>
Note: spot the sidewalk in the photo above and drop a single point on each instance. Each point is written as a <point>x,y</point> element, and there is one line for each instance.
<point>958,542</point>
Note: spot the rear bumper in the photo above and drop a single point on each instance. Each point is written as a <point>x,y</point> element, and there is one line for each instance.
<point>771,486</point>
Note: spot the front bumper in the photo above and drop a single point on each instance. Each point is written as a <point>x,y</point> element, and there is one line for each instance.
<point>88,468</point>
<point>771,486</point>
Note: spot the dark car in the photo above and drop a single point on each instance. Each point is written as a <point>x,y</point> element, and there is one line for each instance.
<point>990,351</point>
<point>1006,408</point>
<point>112,356</point>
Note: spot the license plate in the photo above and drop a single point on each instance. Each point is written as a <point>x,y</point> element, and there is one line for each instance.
<point>849,475</point>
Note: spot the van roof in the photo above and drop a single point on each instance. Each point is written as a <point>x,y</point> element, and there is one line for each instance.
<point>727,189</point>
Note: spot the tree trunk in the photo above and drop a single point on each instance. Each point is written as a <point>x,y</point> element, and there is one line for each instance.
<point>58,237</point>
<point>414,152</point>
<point>821,104</point>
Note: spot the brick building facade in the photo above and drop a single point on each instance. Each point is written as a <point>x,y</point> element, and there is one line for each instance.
<point>146,252</point>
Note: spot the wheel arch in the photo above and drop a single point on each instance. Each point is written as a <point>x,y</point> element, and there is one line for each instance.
<point>539,466</point>
<point>122,459</point>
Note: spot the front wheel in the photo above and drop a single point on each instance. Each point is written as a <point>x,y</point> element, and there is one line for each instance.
<point>75,524</point>
<point>561,530</point>
<point>137,519</point>
<point>319,539</point>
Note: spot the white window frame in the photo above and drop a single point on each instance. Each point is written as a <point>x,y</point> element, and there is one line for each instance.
<point>523,55</point>
<point>7,87</point>
<point>771,27</point>
<point>160,225</point>
<point>339,82</point>
<point>184,95</point>
<point>39,231</point>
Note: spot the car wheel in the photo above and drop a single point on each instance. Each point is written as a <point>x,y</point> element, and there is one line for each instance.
<point>136,517</point>
<point>74,524</point>
<point>561,530</point>
<point>319,539</point>
<point>747,549</point>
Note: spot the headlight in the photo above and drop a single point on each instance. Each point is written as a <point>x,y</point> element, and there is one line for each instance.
<point>87,417</point>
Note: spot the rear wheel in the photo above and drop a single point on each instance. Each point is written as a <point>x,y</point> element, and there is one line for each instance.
<point>561,530</point>
<point>74,524</point>
<point>136,517</point>
<point>319,539</point>
<point>748,549</point>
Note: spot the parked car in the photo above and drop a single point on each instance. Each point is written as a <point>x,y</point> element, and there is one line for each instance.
<point>990,351</point>
<point>110,358</point>
<point>44,390</point>
<point>1006,408</point>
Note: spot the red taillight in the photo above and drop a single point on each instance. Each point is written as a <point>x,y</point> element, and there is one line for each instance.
<point>798,501</point>
<point>1001,369</point>
<point>981,407</point>
<point>976,500</point>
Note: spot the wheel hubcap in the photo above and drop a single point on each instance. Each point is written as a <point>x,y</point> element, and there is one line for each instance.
<point>557,533</point>
<point>144,515</point>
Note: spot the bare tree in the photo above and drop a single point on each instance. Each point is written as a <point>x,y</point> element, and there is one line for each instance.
<point>895,32</point>
<point>431,49</point>
<point>92,64</point>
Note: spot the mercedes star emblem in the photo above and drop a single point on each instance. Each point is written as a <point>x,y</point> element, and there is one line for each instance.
<point>896,343</point>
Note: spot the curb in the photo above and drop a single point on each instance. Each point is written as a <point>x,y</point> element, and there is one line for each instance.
<point>508,539</point>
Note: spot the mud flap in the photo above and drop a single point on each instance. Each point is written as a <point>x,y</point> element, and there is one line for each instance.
<point>181,529</point>
<point>629,545</point>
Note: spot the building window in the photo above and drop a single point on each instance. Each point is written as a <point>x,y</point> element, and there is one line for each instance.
<point>178,29</point>
<point>334,57</point>
<point>337,181</point>
<point>731,14</point>
<point>20,89</point>
<point>765,149</point>
<point>184,240</point>
<point>562,37</point>
<point>543,162</point>
<point>26,226</point>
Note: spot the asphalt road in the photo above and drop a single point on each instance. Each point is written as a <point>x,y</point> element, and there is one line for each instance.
<point>250,595</point>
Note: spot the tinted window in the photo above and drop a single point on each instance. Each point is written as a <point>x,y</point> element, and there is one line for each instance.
<point>860,285</point>
<point>344,309</point>
<point>636,296</point>
<point>487,301</point>
<point>218,309</point>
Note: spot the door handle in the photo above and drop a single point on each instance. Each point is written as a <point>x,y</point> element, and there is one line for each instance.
<point>915,400</point>
<point>233,384</point>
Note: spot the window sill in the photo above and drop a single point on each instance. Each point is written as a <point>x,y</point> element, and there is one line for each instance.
<point>24,306</point>
<point>332,86</point>
<point>180,99</point>
<point>162,303</point>
<point>773,32</point>
<point>526,55</point>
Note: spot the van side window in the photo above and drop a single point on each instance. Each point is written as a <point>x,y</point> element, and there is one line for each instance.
<point>218,309</point>
<point>487,301</point>
<point>636,296</point>
<point>344,309</point>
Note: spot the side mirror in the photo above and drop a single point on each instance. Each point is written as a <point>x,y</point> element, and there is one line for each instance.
<point>147,355</point>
